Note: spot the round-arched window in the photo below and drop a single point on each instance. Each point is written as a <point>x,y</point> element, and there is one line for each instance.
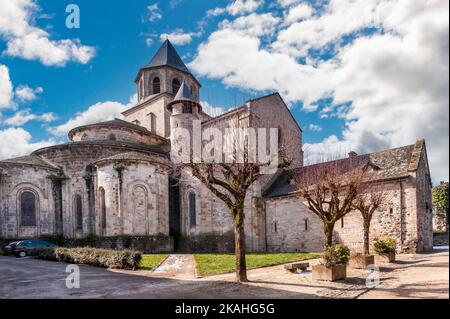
<point>156,85</point>
<point>192,210</point>
<point>112,137</point>
<point>28,209</point>
<point>175,86</point>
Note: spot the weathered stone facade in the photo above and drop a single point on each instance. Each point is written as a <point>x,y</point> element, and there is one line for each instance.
<point>113,179</point>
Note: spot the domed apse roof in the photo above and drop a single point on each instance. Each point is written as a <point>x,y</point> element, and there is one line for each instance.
<point>116,123</point>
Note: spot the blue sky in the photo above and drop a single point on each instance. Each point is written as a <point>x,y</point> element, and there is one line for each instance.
<point>341,65</point>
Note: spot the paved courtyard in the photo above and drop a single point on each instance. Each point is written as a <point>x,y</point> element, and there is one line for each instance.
<point>413,276</point>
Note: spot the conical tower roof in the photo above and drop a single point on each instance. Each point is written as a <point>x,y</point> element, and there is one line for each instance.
<point>183,96</point>
<point>167,56</point>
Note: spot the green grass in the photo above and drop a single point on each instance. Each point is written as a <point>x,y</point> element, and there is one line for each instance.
<point>214,264</point>
<point>150,262</point>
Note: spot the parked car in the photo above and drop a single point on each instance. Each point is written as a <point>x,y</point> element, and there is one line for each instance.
<point>9,248</point>
<point>25,247</point>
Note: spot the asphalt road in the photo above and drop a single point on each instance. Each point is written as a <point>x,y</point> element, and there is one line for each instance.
<point>37,279</point>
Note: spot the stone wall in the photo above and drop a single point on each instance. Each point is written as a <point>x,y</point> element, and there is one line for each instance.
<point>136,199</point>
<point>399,217</point>
<point>424,208</point>
<point>158,108</point>
<point>271,112</point>
<point>291,227</point>
<point>15,180</point>
<point>206,243</point>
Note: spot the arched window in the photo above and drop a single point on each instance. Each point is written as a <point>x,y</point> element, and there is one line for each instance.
<point>79,212</point>
<point>152,122</point>
<point>175,86</point>
<point>156,85</point>
<point>27,209</point>
<point>102,210</point>
<point>112,137</point>
<point>192,210</point>
<point>141,89</point>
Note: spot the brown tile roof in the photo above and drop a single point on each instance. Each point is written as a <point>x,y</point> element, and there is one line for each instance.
<point>387,164</point>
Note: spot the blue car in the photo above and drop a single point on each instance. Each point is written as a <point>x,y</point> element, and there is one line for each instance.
<point>25,247</point>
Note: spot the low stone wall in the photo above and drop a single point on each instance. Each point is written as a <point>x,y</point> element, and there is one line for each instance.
<point>440,239</point>
<point>206,244</point>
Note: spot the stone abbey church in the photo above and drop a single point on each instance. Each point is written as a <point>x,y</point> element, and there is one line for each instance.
<point>113,179</point>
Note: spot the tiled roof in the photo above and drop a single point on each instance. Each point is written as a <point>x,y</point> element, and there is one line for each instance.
<point>387,164</point>
<point>31,160</point>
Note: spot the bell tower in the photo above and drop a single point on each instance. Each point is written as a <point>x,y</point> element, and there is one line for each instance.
<point>158,82</point>
<point>164,74</point>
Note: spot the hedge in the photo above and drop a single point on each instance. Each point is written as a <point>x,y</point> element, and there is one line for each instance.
<point>116,259</point>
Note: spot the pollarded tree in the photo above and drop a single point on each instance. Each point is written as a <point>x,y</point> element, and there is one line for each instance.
<point>367,203</point>
<point>230,181</point>
<point>330,190</point>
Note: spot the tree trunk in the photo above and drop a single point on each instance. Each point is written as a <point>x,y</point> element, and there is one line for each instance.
<point>328,230</point>
<point>239,242</point>
<point>366,237</point>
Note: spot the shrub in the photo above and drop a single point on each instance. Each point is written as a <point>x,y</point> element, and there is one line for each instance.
<point>336,254</point>
<point>384,245</point>
<point>116,259</point>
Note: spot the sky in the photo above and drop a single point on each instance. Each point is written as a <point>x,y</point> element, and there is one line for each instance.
<point>358,75</point>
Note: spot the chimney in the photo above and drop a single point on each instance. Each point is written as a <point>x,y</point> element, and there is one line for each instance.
<point>352,154</point>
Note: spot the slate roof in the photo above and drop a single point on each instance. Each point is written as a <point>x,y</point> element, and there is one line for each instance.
<point>387,164</point>
<point>31,160</point>
<point>183,93</point>
<point>167,56</point>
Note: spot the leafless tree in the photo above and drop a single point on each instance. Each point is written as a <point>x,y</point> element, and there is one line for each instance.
<point>330,190</point>
<point>367,202</point>
<point>230,182</point>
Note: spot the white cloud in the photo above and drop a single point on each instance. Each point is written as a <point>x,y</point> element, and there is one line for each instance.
<point>252,24</point>
<point>341,17</point>
<point>212,111</point>
<point>390,88</point>
<point>17,142</point>
<point>6,87</point>
<point>237,7</point>
<point>297,13</point>
<point>22,117</point>
<point>99,112</point>
<point>155,12</point>
<point>315,128</point>
<point>238,59</point>
<point>178,37</point>
<point>244,6</point>
<point>288,3</point>
<point>27,41</point>
<point>215,12</point>
<point>25,93</point>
